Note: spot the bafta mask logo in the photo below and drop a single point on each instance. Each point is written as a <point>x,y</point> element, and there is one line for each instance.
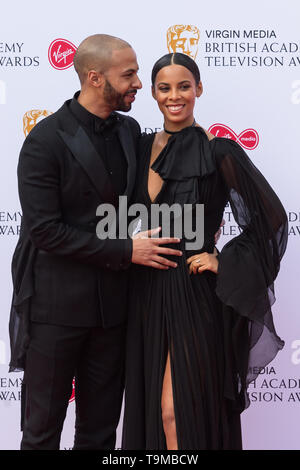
<point>183,38</point>
<point>31,118</point>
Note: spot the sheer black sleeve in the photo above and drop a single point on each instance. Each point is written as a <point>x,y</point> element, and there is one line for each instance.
<point>249,263</point>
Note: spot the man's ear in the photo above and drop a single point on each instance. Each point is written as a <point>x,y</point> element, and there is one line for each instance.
<point>199,89</point>
<point>95,79</point>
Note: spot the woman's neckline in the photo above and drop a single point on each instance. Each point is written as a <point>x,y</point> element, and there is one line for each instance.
<point>154,134</point>
<point>177,132</point>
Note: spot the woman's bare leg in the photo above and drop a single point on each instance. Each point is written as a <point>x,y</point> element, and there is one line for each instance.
<point>167,407</point>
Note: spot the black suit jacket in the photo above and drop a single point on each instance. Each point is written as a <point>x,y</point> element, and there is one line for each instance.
<point>62,272</point>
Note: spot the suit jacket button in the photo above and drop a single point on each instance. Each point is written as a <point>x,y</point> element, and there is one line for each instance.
<point>107,265</point>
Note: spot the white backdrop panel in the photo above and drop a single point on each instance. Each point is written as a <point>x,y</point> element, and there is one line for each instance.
<point>254,83</point>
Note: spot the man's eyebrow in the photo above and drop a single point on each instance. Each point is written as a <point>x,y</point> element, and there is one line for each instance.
<point>131,70</point>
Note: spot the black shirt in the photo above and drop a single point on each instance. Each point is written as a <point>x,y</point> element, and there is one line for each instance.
<point>104,136</point>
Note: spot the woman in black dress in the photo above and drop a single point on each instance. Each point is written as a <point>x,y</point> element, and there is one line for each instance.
<point>198,334</point>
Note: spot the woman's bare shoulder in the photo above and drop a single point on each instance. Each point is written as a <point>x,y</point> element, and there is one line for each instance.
<point>210,136</point>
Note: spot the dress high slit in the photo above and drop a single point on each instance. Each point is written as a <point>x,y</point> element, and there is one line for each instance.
<point>218,328</point>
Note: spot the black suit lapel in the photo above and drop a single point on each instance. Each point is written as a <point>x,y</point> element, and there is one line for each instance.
<point>87,156</point>
<point>128,146</point>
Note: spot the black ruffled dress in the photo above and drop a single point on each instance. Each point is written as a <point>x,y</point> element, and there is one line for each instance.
<point>218,328</point>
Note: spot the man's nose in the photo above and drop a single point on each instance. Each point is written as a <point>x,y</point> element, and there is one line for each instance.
<point>137,83</point>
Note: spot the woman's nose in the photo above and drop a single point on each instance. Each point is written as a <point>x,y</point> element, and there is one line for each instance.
<point>174,94</point>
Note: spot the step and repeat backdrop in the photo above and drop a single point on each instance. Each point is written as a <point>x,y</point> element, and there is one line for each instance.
<point>249,58</point>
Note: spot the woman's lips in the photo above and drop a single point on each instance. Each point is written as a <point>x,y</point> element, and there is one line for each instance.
<point>175,109</point>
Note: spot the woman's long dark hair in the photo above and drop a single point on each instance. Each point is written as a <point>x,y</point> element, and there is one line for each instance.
<point>178,59</point>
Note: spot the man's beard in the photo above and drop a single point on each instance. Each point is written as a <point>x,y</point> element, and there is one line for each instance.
<point>114,98</point>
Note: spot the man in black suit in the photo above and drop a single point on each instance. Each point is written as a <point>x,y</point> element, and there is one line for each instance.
<point>70,287</point>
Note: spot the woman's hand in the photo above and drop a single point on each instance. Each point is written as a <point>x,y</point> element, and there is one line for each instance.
<point>203,262</point>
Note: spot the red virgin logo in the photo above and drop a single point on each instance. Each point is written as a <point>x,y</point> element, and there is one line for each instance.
<point>61,53</point>
<point>72,397</point>
<point>248,139</point>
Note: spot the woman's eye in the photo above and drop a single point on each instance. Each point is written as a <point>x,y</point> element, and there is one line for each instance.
<point>164,89</point>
